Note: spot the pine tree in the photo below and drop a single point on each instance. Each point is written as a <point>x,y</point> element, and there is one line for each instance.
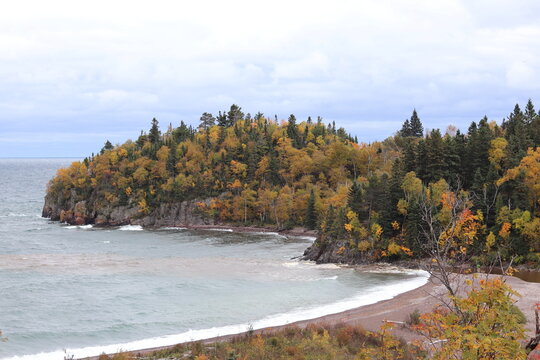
<point>311,212</point>
<point>222,119</point>
<point>207,121</point>
<point>235,114</point>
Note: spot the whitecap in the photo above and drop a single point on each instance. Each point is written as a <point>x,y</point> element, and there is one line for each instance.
<point>219,229</point>
<point>11,214</point>
<point>303,237</point>
<point>173,228</point>
<point>82,227</point>
<point>131,228</point>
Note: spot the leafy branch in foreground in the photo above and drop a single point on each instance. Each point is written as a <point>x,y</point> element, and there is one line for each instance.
<point>485,325</point>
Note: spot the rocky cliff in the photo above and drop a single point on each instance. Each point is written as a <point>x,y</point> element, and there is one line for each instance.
<point>85,212</point>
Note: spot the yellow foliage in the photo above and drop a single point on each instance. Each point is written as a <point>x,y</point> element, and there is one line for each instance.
<point>376,231</point>
<point>490,241</point>
<point>497,151</point>
<point>364,245</point>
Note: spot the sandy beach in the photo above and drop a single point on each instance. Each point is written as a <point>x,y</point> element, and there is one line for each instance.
<point>397,310</point>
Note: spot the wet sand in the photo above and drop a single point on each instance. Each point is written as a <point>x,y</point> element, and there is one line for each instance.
<point>397,309</point>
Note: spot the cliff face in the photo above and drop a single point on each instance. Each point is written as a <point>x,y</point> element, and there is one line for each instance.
<point>84,212</point>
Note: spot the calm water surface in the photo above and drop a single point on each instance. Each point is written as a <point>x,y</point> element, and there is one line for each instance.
<point>91,290</point>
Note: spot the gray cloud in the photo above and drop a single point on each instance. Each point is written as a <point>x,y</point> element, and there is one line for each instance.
<point>106,69</point>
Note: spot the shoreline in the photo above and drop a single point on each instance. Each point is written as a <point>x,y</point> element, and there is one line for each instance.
<point>395,309</point>
<point>296,231</point>
<point>349,316</point>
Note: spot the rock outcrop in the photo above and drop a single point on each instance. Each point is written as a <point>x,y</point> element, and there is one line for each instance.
<point>83,212</point>
<point>326,251</point>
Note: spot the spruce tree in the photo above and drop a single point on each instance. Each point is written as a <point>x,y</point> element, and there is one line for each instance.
<point>436,166</point>
<point>421,161</point>
<point>417,130</point>
<point>354,198</point>
<point>311,212</point>
<point>406,129</point>
<point>106,147</point>
<point>292,132</point>
<point>154,135</point>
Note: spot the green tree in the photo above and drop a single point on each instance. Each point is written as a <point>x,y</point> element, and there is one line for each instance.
<point>154,135</point>
<point>417,129</point>
<point>311,212</point>
<point>207,121</point>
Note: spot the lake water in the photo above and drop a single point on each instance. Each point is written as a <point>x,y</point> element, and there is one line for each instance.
<point>82,290</point>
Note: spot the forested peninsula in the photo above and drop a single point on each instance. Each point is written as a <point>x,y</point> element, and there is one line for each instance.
<point>415,194</point>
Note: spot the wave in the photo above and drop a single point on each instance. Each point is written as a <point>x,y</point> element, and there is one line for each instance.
<point>366,297</point>
<point>83,227</point>
<point>11,214</point>
<point>303,237</point>
<point>219,229</point>
<point>173,228</point>
<point>298,263</point>
<point>130,228</point>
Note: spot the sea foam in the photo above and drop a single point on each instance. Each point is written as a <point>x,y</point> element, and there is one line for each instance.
<point>83,227</point>
<point>373,295</point>
<point>131,228</point>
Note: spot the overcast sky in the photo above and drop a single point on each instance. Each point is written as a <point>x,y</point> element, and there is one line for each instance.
<point>74,74</point>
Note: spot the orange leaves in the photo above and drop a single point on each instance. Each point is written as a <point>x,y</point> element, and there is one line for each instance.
<point>465,229</point>
<point>504,232</point>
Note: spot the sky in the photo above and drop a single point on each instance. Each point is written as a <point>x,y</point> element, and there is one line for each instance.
<point>74,74</point>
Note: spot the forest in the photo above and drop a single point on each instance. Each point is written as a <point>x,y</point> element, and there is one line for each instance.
<point>478,190</point>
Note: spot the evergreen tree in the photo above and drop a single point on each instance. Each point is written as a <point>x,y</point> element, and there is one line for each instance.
<point>421,161</point>
<point>221,119</point>
<point>292,132</point>
<point>530,113</point>
<point>409,157</point>
<point>517,136</point>
<point>417,129</point>
<point>207,121</point>
<point>406,129</point>
<point>106,147</point>
<point>354,198</point>
<point>235,114</point>
<point>311,212</point>
<point>171,161</point>
<point>154,135</point>
<point>436,166</point>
